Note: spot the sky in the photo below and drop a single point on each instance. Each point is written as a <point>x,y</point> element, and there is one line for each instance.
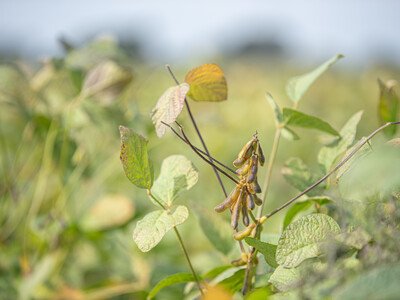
<point>362,30</point>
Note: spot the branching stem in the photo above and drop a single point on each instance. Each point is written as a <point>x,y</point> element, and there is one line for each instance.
<point>205,159</point>
<point>199,150</point>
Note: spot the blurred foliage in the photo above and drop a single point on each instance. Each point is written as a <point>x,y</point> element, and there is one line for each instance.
<point>67,212</point>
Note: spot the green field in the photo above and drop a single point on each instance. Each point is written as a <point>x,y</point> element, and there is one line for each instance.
<point>67,210</point>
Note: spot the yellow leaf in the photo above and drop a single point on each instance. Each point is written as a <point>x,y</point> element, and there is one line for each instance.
<point>207,83</point>
<point>217,293</point>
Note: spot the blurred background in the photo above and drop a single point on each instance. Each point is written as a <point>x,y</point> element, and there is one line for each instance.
<point>67,211</point>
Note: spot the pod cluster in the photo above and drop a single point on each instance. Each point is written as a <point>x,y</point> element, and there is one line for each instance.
<point>243,196</point>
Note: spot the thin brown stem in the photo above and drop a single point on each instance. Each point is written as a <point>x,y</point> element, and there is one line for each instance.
<point>199,150</point>
<point>202,157</point>
<point>181,244</point>
<point>267,179</point>
<point>366,140</point>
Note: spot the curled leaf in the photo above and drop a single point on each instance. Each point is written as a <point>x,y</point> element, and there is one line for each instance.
<point>168,107</point>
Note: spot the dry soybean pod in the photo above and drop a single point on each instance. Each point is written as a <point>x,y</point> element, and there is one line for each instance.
<point>260,153</point>
<point>245,214</point>
<point>245,153</point>
<point>249,202</point>
<point>244,169</point>
<point>253,169</point>
<point>233,196</point>
<point>255,186</point>
<point>244,232</point>
<point>257,200</point>
<point>236,210</point>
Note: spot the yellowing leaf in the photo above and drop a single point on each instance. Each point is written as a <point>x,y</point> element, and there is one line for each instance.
<point>168,107</point>
<point>207,83</point>
<point>135,159</point>
<point>217,293</point>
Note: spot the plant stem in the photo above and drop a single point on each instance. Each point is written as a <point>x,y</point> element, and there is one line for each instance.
<point>247,276</point>
<point>205,159</point>
<point>181,244</point>
<point>188,260</point>
<point>199,134</point>
<point>271,161</point>
<point>155,199</point>
<point>366,140</point>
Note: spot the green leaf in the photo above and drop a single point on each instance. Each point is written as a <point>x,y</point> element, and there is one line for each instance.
<point>294,210</point>
<point>295,118</point>
<point>235,282</point>
<point>297,173</point>
<point>207,83</point>
<point>178,174</point>
<point>215,228</point>
<point>328,154</point>
<point>388,106</point>
<point>168,107</point>
<point>303,206</point>
<point>380,283</point>
<point>109,211</point>
<point>259,294</point>
<point>135,159</point>
<point>302,239</point>
<point>105,76</point>
<point>275,108</point>
<point>170,280</point>
<point>150,230</point>
<point>216,271</point>
<point>285,279</point>
<point>297,86</point>
<point>289,134</point>
<point>268,250</point>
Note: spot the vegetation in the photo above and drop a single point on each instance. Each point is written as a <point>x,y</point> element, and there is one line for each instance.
<point>296,215</point>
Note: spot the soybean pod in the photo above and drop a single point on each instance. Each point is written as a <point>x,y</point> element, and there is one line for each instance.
<point>230,200</point>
